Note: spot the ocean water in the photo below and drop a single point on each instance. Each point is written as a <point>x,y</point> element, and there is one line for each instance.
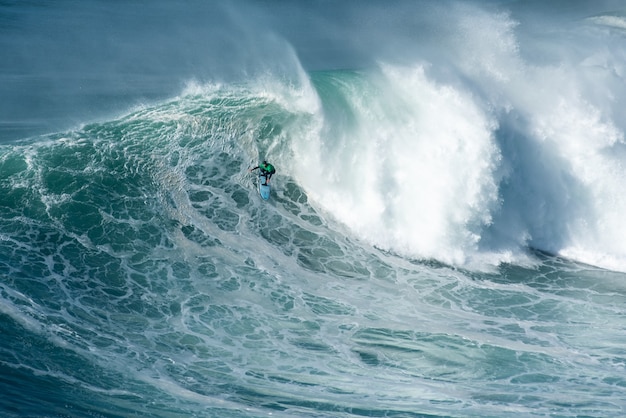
<point>445,236</point>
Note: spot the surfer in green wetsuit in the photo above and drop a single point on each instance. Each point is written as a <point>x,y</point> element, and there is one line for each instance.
<point>267,170</point>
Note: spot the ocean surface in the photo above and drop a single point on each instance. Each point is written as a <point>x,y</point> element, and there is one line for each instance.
<point>446,235</point>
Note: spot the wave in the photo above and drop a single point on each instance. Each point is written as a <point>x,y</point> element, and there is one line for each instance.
<point>471,149</point>
<point>408,164</point>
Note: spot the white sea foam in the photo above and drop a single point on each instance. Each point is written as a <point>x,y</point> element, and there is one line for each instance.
<point>505,154</point>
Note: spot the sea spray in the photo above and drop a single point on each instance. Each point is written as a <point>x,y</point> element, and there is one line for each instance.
<point>476,159</point>
<point>414,170</point>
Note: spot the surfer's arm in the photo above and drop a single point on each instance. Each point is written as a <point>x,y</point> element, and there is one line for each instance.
<point>252,169</point>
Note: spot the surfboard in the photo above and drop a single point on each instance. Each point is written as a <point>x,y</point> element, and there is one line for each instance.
<point>264,188</point>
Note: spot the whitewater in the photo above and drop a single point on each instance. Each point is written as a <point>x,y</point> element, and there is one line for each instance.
<point>445,235</point>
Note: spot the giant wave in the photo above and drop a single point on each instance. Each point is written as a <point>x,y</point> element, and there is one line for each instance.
<point>444,236</point>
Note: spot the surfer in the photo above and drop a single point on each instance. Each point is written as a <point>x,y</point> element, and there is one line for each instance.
<point>267,170</point>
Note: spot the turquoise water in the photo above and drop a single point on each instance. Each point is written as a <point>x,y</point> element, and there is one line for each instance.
<point>441,240</point>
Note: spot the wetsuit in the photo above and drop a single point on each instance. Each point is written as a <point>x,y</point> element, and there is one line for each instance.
<point>267,170</point>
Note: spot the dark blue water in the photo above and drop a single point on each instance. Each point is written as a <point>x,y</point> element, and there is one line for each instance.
<point>444,236</point>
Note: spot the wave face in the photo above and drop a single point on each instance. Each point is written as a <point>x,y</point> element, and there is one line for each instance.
<point>444,236</point>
